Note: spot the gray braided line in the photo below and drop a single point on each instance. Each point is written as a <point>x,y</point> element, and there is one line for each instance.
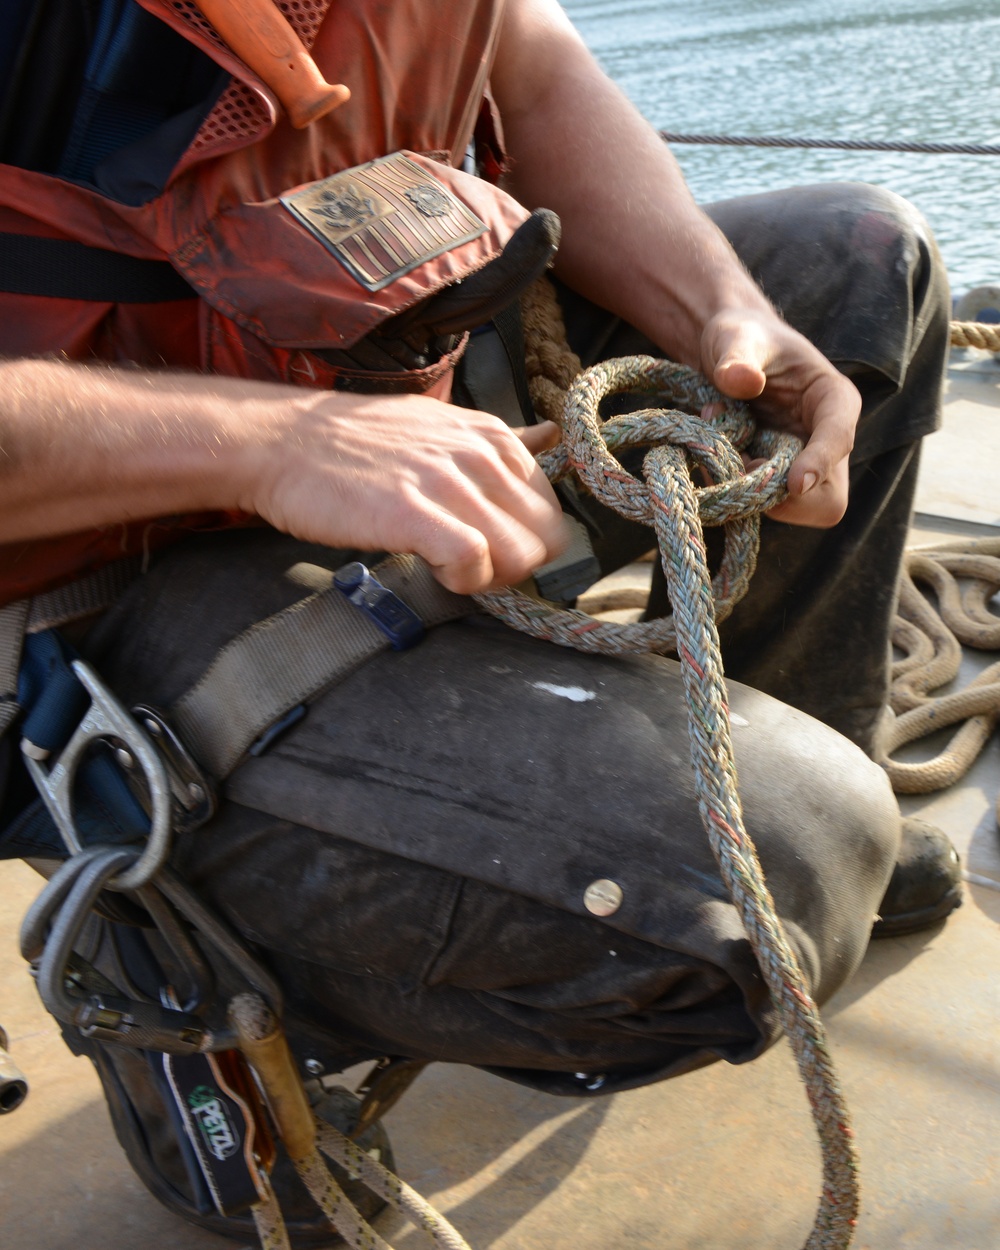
<point>679,532</point>
<point>380,1180</point>
<point>676,510</point>
<point>267,1218</point>
<point>335,1204</point>
<point>838,145</point>
<point>735,501</point>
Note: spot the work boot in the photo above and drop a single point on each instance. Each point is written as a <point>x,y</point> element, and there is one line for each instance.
<point>926,883</point>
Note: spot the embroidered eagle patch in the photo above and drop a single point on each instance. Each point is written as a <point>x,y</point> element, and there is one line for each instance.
<point>383,219</point>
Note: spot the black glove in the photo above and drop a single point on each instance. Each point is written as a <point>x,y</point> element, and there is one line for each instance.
<point>416,338</point>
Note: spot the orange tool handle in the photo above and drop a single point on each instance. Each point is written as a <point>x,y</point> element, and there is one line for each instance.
<point>262,37</point>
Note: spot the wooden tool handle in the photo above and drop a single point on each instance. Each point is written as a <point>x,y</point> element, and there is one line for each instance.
<point>263,38</point>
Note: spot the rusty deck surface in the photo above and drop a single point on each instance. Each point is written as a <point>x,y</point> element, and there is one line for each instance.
<point>724,1159</point>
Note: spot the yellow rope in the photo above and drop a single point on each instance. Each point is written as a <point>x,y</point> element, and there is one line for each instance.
<point>271,1230</point>
<point>962,575</point>
<point>262,1040</point>
<point>975,334</point>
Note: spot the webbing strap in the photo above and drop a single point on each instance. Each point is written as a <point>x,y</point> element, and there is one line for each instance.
<point>65,269</point>
<point>289,658</point>
<point>12,622</point>
<point>87,595</point>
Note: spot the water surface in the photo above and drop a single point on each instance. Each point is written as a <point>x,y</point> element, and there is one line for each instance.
<point>872,69</point>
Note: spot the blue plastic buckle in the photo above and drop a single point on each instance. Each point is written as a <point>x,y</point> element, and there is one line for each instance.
<point>383,607</point>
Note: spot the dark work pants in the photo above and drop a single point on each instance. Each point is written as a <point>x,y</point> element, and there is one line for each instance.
<point>855,270</point>
<point>413,857</point>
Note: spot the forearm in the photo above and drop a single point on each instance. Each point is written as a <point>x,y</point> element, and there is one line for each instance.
<point>89,446</point>
<point>634,241</point>
<point>83,447</point>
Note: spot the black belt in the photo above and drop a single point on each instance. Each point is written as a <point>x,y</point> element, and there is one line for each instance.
<point>63,269</point>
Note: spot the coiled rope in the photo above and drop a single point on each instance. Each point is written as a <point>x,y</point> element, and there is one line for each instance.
<point>963,576</point>
<point>669,502</point>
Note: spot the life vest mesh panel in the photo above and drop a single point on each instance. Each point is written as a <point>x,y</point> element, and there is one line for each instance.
<point>193,16</point>
<point>239,113</point>
<point>305,15</point>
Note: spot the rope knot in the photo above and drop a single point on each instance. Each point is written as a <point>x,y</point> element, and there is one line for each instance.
<point>588,442</point>
<point>679,440</point>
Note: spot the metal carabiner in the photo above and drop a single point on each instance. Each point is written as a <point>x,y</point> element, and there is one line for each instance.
<point>102,1014</point>
<point>105,719</point>
<point>52,927</point>
<point>224,941</point>
<point>187,958</point>
<point>38,918</point>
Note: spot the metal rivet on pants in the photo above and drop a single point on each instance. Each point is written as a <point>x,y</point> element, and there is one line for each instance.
<point>603,897</point>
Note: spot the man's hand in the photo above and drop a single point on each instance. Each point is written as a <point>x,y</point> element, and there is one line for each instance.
<point>634,242</point>
<point>757,357</point>
<point>407,473</point>
<point>87,447</point>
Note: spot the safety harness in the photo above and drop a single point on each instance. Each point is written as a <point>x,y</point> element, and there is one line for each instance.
<point>146,775</point>
<point>259,683</point>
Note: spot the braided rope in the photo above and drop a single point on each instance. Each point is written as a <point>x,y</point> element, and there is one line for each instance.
<point>963,576</point>
<point>975,334</point>
<point>342,1214</point>
<point>392,1188</point>
<point>840,145</point>
<point>268,1220</point>
<point>735,501</point>
<point>265,1046</point>
<point>676,510</point>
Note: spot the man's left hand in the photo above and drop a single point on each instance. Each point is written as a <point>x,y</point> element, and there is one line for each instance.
<point>755,356</point>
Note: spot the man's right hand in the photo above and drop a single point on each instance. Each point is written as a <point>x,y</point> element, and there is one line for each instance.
<point>409,473</point>
<point>84,447</point>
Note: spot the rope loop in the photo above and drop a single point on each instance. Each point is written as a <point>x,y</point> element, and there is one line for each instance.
<point>963,576</point>
<point>734,498</point>
<point>682,445</point>
<point>588,442</point>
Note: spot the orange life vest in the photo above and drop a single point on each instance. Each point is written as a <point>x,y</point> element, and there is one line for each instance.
<point>256,221</point>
